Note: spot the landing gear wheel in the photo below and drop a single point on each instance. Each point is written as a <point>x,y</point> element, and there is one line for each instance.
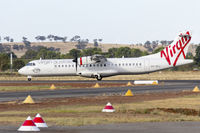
<point>29,78</point>
<point>99,78</point>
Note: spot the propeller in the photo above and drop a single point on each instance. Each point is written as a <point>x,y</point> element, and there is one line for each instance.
<point>76,61</point>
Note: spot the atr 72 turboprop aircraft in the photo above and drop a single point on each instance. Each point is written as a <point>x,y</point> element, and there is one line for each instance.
<point>97,66</point>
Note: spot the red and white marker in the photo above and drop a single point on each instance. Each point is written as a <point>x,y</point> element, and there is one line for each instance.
<point>39,122</point>
<point>28,125</point>
<point>108,108</point>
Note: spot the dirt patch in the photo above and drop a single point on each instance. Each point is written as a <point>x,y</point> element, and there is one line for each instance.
<point>98,100</point>
<point>184,111</point>
<point>65,84</point>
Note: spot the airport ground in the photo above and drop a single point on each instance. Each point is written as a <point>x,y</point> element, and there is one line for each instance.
<point>162,75</point>
<point>75,106</point>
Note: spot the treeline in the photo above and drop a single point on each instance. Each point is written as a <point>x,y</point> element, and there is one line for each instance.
<point>50,53</point>
<point>46,53</point>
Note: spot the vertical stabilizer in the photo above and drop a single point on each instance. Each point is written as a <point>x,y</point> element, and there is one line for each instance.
<point>176,51</point>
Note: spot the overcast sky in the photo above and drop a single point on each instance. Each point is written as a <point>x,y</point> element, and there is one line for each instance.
<point>115,21</point>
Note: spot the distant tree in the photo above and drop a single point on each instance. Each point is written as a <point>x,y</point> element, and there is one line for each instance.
<point>136,53</point>
<point>189,55</point>
<point>154,44</point>
<point>147,43</point>
<point>111,53</point>
<point>197,56</point>
<point>75,38</point>
<point>1,48</point>
<point>75,53</point>
<point>4,61</point>
<point>27,44</point>
<point>24,38</point>
<point>40,38</point>
<point>11,40</point>
<point>87,40</point>
<point>123,51</point>
<point>57,38</point>
<point>96,42</point>
<point>30,54</point>
<point>47,54</point>
<point>158,50</point>
<point>18,63</point>
<point>14,56</point>
<point>16,47</point>
<point>81,44</point>
<point>64,39</point>
<point>50,37</point>
<point>91,51</point>
<point>7,38</point>
<point>21,47</point>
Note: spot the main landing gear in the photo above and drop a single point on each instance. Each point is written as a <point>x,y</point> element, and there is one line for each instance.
<point>29,78</point>
<point>98,77</point>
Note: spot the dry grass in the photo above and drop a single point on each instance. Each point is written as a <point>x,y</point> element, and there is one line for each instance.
<point>163,75</point>
<point>29,88</point>
<point>78,115</point>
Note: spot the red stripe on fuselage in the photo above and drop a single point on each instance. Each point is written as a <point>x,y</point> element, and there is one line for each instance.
<point>81,63</point>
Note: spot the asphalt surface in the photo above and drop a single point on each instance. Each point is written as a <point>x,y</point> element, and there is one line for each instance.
<point>166,86</point>
<point>146,127</point>
<point>91,81</point>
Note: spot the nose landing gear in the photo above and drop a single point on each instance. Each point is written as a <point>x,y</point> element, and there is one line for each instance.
<point>29,78</point>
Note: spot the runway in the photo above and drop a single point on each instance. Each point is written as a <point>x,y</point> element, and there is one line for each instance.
<point>166,86</point>
<point>140,127</point>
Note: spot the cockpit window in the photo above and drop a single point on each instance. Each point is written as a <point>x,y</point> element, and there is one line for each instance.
<point>30,64</point>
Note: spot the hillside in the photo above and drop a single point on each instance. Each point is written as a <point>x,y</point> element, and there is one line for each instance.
<point>67,46</point>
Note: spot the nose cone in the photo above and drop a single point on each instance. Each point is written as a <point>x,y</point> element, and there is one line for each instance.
<point>21,71</point>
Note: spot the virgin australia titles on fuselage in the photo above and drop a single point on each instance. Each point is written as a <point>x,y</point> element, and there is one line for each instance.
<point>97,66</point>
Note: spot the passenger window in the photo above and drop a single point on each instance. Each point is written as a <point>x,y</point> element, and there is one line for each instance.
<point>129,64</point>
<point>101,65</point>
<point>93,65</point>
<point>115,64</point>
<point>86,65</point>
<point>55,65</point>
<point>136,64</point>
<point>72,65</point>
<point>65,65</point>
<point>69,65</point>
<point>62,65</point>
<point>105,65</point>
<point>97,65</point>
<point>122,64</point>
<point>58,65</point>
<point>140,64</point>
<point>90,65</point>
<point>133,64</point>
<point>126,64</point>
<point>119,64</point>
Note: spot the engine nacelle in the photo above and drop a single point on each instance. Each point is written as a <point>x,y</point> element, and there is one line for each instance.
<point>90,59</point>
<point>85,60</point>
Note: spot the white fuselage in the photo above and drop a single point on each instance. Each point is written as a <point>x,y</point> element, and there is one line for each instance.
<point>97,66</point>
<point>113,66</point>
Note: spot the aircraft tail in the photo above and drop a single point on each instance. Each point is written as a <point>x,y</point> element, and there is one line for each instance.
<point>176,51</point>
